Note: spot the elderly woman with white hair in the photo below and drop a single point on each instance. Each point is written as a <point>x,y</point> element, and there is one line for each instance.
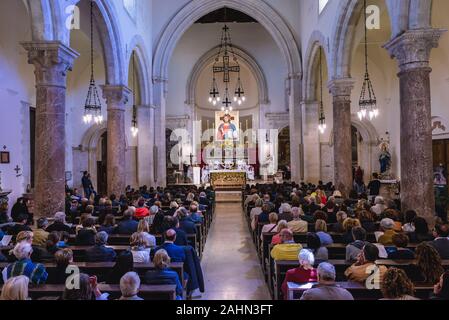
<point>305,273</point>
<point>129,286</point>
<point>24,266</point>
<point>59,224</point>
<point>379,206</point>
<point>285,212</point>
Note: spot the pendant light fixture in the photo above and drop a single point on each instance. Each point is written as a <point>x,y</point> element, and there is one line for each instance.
<point>134,127</point>
<point>368,102</point>
<point>322,119</point>
<point>92,107</point>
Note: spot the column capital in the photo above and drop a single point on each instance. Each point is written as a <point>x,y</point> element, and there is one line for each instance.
<point>341,87</point>
<point>116,95</point>
<point>412,48</point>
<point>51,60</point>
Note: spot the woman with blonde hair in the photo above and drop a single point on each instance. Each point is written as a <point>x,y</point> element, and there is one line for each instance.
<point>270,227</point>
<point>139,248</point>
<point>15,289</point>
<point>348,224</point>
<point>280,226</point>
<point>144,228</point>
<point>321,232</point>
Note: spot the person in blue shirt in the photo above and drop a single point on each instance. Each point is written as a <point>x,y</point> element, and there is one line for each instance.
<point>185,222</point>
<point>128,225</point>
<point>162,274</point>
<point>176,253</point>
<point>24,266</point>
<point>194,215</point>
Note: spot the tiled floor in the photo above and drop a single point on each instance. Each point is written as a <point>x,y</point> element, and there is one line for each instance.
<point>230,264</point>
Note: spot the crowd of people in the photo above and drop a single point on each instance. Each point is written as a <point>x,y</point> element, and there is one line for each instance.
<point>140,214</point>
<point>371,227</point>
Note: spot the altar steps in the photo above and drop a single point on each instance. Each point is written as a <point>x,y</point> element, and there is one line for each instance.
<point>223,196</point>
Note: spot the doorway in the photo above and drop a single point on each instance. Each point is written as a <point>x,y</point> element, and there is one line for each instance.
<point>440,150</point>
<point>102,171</point>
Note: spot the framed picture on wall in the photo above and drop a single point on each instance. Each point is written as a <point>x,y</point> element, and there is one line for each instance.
<point>4,157</point>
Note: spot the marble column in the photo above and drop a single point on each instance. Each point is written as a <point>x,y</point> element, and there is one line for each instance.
<point>116,99</point>
<point>51,60</point>
<point>145,144</point>
<point>341,94</point>
<point>311,137</point>
<point>412,51</point>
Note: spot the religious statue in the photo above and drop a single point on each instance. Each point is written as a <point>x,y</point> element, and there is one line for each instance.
<point>384,158</point>
<point>227,130</point>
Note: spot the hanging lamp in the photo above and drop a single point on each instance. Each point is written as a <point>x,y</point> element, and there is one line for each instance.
<point>92,107</point>
<point>134,127</point>
<point>322,119</point>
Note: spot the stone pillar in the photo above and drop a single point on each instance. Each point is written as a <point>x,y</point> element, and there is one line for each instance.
<point>145,144</point>
<point>51,60</point>
<point>311,138</point>
<point>341,93</point>
<point>116,99</point>
<point>412,50</point>
<point>160,166</point>
<point>295,124</point>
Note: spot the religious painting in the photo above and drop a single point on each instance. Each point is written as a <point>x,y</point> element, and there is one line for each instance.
<point>227,125</point>
<point>4,157</point>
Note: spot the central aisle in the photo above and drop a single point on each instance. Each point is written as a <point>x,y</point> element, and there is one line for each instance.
<point>230,264</point>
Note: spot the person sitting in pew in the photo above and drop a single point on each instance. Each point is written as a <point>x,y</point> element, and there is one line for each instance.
<point>130,286</point>
<point>401,252</point>
<point>195,215</point>
<point>287,249</point>
<point>256,210</point>
<point>139,248</point>
<point>428,266</point>
<point>348,224</point>
<point>408,226</point>
<point>63,259</point>
<point>86,291</point>
<point>327,289</point>
<point>173,207</point>
<point>276,239</point>
<point>128,225</point>
<point>99,252</point>
<point>144,228</point>
<point>185,222</point>
<point>397,286</point>
<point>162,274</point>
<point>157,224</point>
<point>15,289</point>
<point>321,232</point>
<point>441,242</point>
<point>270,227</point>
<point>109,226</point>
<point>366,266</point>
<point>316,247</point>
<point>421,232</point>
<point>181,237</point>
<point>21,225</point>
<point>24,266</point>
<point>297,225</point>
<point>141,210</point>
<point>51,247</point>
<point>59,224</point>
<point>354,248</point>
<point>176,253</point>
<point>341,216</point>
<point>86,235</point>
<point>441,289</point>
<point>265,214</point>
<point>305,273</point>
<point>124,263</point>
<point>40,234</point>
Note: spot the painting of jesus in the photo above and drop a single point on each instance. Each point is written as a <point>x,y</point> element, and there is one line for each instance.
<point>227,129</point>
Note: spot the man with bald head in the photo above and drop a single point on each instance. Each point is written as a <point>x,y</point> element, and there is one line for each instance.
<point>175,252</point>
<point>288,249</point>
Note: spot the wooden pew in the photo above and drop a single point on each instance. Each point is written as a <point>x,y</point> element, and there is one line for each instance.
<point>147,292</point>
<point>359,291</point>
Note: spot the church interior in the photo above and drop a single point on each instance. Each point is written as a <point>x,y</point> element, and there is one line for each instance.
<point>224,150</point>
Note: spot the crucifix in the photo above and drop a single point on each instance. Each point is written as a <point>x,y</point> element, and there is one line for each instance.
<point>226,68</point>
<point>17,170</point>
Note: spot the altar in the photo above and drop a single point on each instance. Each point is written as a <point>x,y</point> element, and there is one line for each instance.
<point>227,179</point>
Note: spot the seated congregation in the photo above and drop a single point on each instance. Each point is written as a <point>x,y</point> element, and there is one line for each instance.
<point>313,244</point>
<point>146,245</point>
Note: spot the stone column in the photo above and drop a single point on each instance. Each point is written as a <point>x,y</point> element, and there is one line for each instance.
<point>51,60</point>
<point>145,144</point>
<point>341,93</point>
<point>295,123</point>
<point>160,166</point>
<point>311,137</point>
<point>116,99</point>
<point>412,50</point>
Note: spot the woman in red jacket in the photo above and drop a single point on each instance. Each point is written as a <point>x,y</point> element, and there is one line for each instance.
<point>305,273</point>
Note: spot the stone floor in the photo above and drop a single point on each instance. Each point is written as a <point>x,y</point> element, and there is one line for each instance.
<point>230,264</point>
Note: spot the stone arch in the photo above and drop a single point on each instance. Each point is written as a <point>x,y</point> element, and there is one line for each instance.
<point>195,9</point>
<point>243,56</point>
<point>316,41</point>
<point>344,31</point>
<point>142,70</point>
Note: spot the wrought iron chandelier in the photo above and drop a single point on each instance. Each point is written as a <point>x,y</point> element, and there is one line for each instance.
<point>368,102</point>
<point>92,107</point>
<point>134,127</point>
<point>322,119</point>
<point>223,64</point>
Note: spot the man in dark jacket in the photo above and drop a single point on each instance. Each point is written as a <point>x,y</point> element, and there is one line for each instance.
<point>128,225</point>
<point>99,252</point>
<point>21,225</point>
<point>185,223</point>
<point>176,253</point>
<point>441,242</point>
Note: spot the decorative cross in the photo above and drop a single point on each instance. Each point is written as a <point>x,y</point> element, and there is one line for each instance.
<point>226,102</point>
<point>214,92</point>
<point>226,68</point>
<point>17,170</point>
<point>239,91</point>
